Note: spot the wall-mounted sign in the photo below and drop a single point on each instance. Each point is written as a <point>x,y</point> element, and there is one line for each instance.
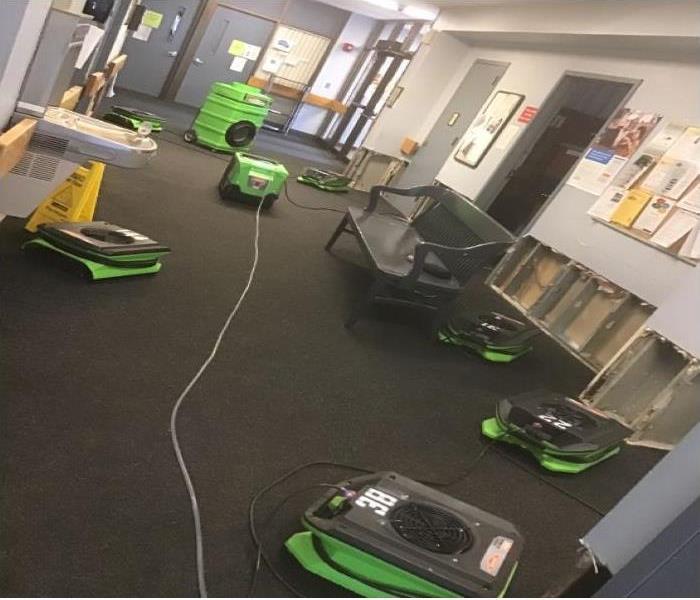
<point>244,49</point>
<point>152,19</point>
<point>486,127</point>
<point>527,114</point>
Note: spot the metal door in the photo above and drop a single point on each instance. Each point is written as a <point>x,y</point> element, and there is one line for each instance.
<point>212,61</point>
<point>475,88</point>
<point>150,61</point>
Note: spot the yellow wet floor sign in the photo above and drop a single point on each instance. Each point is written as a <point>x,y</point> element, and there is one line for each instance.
<point>74,200</point>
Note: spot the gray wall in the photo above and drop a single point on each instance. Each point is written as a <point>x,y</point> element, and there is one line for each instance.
<point>663,494</point>
<point>304,14</point>
<point>21,23</point>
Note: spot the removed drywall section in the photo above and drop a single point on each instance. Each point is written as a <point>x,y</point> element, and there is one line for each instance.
<point>332,75</point>
<point>429,82</point>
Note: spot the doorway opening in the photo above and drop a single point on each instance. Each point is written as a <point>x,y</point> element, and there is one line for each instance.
<point>568,121</point>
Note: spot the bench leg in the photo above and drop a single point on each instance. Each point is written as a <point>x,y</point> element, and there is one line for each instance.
<point>337,232</point>
<point>362,306</point>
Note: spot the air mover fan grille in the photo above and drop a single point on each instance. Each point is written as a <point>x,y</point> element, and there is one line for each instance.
<point>430,528</point>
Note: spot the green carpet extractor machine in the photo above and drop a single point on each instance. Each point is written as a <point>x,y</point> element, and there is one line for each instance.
<point>328,181</point>
<point>493,336</point>
<point>134,118</point>
<point>106,250</point>
<point>230,117</point>
<point>564,435</point>
<point>384,535</point>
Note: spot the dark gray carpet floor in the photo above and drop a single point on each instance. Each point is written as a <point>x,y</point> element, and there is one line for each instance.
<point>92,499</point>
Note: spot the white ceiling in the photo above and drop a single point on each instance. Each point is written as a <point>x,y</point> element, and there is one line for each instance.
<point>377,12</point>
<point>366,8</point>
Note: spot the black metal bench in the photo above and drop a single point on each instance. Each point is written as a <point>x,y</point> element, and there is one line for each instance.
<point>427,261</point>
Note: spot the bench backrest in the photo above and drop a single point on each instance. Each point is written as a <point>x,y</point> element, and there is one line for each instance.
<point>456,222</point>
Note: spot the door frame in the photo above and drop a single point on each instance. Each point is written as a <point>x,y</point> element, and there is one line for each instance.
<point>194,37</point>
<point>516,156</point>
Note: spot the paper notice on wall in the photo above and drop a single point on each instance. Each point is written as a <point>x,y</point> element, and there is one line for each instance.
<point>687,146</point>
<point>507,137</point>
<point>671,177</point>
<point>632,204</point>
<point>680,223</point>
<point>237,48</point>
<point>691,246</point>
<point>237,64</point>
<point>653,214</point>
<point>596,171</point>
<point>608,203</point>
<point>662,141</point>
<point>691,201</point>
<point>251,52</point>
<point>142,33</point>
<point>633,171</point>
<point>272,64</point>
<point>152,19</point>
<point>283,44</point>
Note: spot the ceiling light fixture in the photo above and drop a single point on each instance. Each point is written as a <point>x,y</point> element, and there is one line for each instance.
<point>387,4</point>
<point>418,13</point>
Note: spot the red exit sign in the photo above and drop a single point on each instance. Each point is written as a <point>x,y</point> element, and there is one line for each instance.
<point>528,114</point>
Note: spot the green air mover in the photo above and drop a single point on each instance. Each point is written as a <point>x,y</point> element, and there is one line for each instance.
<point>328,181</point>
<point>252,179</point>
<point>133,118</point>
<point>493,336</point>
<point>230,117</point>
<point>106,250</point>
<point>564,435</point>
<point>384,535</point>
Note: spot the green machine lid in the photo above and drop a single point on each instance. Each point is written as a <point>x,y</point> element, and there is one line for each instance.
<point>241,92</point>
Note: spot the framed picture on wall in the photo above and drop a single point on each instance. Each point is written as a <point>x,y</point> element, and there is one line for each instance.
<point>486,127</point>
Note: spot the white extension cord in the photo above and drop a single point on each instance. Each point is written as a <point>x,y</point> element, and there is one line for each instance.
<point>201,579</point>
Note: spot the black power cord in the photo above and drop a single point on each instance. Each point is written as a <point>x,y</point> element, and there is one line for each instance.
<point>306,207</point>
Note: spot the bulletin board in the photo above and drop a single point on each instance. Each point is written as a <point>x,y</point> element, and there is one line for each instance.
<point>292,56</point>
<point>656,197</point>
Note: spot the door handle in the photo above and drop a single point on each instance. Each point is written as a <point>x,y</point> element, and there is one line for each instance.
<point>172,53</point>
<point>198,61</point>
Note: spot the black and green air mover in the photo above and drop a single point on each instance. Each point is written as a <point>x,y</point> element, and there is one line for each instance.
<point>384,535</point>
<point>106,250</point>
<point>564,435</point>
<point>493,336</point>
<point>328,181</point>
<point>252,179</point>
<point>230,117</point>
<point>133,118</point>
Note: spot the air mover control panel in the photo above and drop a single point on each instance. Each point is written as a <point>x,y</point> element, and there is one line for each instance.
<point>385,525</point>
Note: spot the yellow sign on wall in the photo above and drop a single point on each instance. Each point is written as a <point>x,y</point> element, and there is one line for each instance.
<point>152,19</point>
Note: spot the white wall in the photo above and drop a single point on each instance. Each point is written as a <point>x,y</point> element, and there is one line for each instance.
<point>21,22</point>
<point>429,81</point>
<point>334,71</point>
